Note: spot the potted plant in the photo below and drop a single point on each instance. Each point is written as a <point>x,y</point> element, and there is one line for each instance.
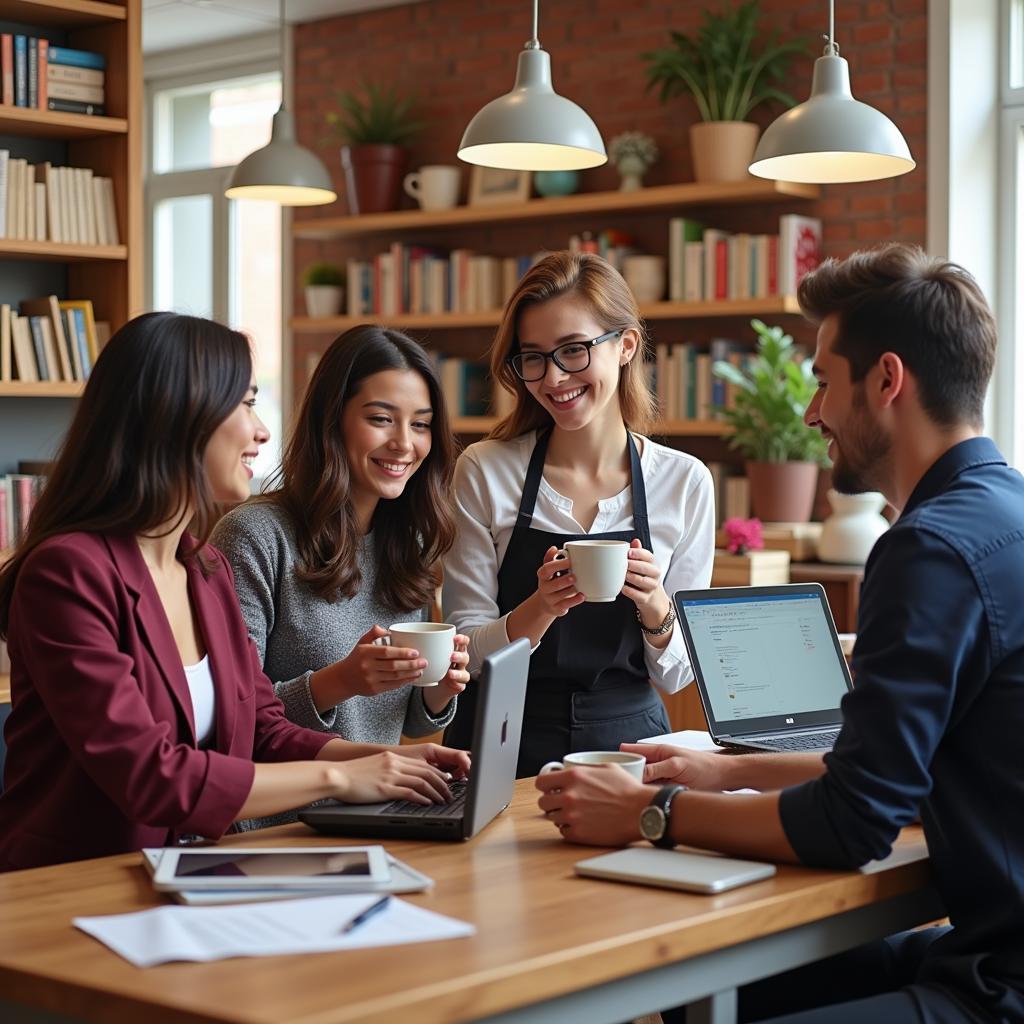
<point>730,69</point>
<point>632,153</point>
<point>324,287</point>
<point>374,123</point>
<point>771,391</point>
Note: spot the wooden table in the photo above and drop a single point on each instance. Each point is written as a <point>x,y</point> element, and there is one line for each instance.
<point>842,587</point>
<point>549,946</point>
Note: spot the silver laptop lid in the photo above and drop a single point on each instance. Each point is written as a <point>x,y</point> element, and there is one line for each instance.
<point>766,659</point>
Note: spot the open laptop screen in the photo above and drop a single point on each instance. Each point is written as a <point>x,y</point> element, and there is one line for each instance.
<point>765,658</point>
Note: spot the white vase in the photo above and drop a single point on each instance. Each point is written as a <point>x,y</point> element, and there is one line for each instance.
<point>849,534</point>
<point>323,300</point>
<point>631,169</point>
<point>645,276</point>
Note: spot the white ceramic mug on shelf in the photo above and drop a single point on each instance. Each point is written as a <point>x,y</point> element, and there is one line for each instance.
<point>434,187</point>
<point>632,763</point>
<point>434,640</point>
<point>645,276</point>
<point>598,565</point>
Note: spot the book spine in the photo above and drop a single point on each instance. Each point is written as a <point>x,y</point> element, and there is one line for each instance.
<point>7,69</point>
<point>77,58</point>
<point>74,106</point>
<point>5,156</point>
<point>20,71</point>
<point>42,72</point>
<point>76,91</point>
<point>33,72</point>
<point>36,327</point>
<point>69,73</point>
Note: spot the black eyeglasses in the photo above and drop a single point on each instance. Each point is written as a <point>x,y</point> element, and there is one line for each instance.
<point>572,357</point>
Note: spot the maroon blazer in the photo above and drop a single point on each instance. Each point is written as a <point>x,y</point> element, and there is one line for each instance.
<point>101,748</point>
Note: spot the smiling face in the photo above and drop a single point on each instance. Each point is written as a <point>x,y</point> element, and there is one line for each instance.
<point>858,445</point>
<point>591,396</point>
<point>232,448</point>
<point>387,429</point>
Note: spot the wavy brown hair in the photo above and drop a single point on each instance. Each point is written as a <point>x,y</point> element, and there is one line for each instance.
<point>132,458</point>
<point>607,296</point>
<point>411,532</point>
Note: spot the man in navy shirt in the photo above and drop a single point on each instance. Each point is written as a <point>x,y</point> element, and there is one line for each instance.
<point>935,724</point>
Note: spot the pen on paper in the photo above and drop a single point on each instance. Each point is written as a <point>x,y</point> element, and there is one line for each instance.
<point>373,908</point>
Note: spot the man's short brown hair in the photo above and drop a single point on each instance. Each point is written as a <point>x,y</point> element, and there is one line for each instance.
<point>929,312</point>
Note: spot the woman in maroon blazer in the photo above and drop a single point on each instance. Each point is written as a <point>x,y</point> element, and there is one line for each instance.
<point>141,714</point>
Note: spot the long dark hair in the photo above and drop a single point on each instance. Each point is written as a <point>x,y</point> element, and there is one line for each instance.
<point>133,456</point>
<point>411,532</point>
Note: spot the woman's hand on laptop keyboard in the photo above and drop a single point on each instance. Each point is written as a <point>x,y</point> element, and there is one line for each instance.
<point>392,776</point>
<point>455,762</point>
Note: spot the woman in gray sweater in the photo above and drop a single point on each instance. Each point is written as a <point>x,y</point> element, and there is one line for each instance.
<point>349,541</point>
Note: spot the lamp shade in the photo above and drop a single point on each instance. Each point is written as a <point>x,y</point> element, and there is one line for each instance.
<point>532,128</point>
<point>282,171</point>
<point>831,137</point>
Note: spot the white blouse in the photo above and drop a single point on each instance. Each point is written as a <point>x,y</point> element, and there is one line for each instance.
<point>200,686</point>
<point>489,480</point>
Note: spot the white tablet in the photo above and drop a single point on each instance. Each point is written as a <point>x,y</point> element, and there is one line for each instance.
<point>673,869</point>
<point>324,868</point>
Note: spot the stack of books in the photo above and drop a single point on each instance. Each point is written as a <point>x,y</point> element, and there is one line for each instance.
<point>49,339</point>
<point>35,73</point>
<point>18,495</point>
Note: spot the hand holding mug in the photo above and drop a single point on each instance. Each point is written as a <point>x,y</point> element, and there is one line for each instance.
<point>643,583</point>
<point>556,585</point>
<point>372,667</point>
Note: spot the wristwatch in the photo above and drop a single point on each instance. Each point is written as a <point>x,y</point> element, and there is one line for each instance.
<point>654,818</point>
<point>663,627</point>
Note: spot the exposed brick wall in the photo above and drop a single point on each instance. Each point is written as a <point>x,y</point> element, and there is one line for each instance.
<point>456,54</point>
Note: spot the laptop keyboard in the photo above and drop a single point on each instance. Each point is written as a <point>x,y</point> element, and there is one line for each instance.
<point>804,741</point>
<point>455,809</point>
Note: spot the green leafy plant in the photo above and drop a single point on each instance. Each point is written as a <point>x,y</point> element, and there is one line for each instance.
<point>322,273</point>
<point>721,68</point>
<point>773,389</point>
<point>374,114</point>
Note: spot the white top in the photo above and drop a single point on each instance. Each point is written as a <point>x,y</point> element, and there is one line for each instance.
<point>489,480</point>
<point>200,686</point>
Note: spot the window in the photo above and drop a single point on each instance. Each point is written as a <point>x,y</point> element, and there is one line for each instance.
<point>209,256</point>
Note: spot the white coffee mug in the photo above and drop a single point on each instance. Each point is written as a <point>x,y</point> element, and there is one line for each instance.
<point>633,763</point>
<point>434,187</point>
<point>434,640</point>
<point>598,565</point>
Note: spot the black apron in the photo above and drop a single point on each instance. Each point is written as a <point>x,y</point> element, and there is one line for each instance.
<point>589,688</point>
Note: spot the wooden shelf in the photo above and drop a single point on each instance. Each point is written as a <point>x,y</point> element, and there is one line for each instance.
<point>777,305</point>
<point>654,198</point>
<point>61,252</point>
<point>65,13</point>
<point>54,124</point>
<point>41,389</point>
<point>663,428</point>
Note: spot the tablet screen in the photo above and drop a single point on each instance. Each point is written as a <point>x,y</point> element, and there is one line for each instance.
<point>312,864</point>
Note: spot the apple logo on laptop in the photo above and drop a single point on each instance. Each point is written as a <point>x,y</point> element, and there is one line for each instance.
<point>504,731</point>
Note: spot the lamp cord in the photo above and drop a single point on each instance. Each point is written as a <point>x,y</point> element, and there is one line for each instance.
<point>281,34</point>
<point>534,43</point>
<point>831,48</point>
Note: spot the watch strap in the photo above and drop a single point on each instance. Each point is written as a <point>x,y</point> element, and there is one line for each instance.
<point>663,801</point>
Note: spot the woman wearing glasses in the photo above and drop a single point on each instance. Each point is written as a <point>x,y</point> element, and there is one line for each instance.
<point>568,463</point>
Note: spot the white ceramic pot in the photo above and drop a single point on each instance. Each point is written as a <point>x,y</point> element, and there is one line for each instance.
<point>645,276</point>
<point>323,299</point>
<point>849,534</point>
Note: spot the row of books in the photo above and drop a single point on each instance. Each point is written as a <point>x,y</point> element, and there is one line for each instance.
<point>469,389</point>
<point>684,382</point>
<point>732,493</point>
<point>706,264</point>
<point>18,495</point>
<point>43,203</point>
<point>49,340</point>
<point>38,74</point>
<point>612,244</point>
<point>419,279</point>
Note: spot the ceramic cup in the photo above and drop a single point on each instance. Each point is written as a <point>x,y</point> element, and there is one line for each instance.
<point>633,763</point>
<point>434,187</point>
<point>598,565</point>
<point>645,276</point>
<point>434,640</point>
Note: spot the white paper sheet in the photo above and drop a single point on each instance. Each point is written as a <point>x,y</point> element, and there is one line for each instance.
<point>163,934</point>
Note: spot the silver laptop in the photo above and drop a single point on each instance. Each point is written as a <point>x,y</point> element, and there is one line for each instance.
<point>501,691</point>
<point>768,665</point>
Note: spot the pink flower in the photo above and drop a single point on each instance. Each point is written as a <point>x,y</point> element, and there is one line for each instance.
<point>743,535</point>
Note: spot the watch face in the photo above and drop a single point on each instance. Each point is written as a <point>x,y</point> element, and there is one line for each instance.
<point>652,823</point>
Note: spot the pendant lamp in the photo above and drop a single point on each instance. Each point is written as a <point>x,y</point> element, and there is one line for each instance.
<point>282,171</point>
<point>831,137</point>
<point>532,128</point>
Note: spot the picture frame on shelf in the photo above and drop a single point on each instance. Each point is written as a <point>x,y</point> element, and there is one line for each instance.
<point>492,185</point>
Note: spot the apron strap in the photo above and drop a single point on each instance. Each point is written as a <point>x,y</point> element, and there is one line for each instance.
<point>534,473</point>
<point>640,521</point>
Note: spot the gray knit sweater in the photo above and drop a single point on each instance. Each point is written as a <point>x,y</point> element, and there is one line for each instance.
<point>298,632</point>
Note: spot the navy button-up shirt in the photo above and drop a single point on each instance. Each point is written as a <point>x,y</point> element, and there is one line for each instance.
<point>935,723</point>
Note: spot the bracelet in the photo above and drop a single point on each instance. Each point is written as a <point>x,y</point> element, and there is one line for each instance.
<point>660,630</point>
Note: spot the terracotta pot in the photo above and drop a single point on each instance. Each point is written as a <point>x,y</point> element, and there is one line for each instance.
<point>782,492</point>
<point>722,150</point>
<point>373,177</point>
